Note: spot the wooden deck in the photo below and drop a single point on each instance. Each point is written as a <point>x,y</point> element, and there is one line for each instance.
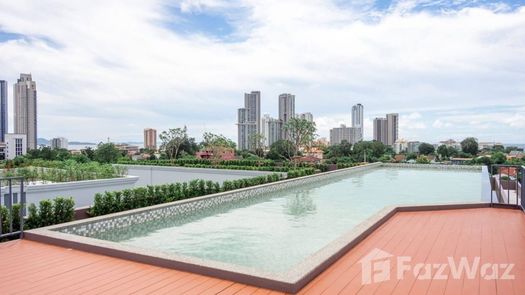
<point>494,235</point>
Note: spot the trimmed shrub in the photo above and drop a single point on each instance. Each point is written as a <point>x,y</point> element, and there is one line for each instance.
<point>49,212</point>
<point>111,202</point>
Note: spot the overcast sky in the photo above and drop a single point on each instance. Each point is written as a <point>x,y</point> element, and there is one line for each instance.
<point>109,68</point>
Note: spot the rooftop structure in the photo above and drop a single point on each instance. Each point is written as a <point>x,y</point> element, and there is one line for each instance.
<point>425,237</point>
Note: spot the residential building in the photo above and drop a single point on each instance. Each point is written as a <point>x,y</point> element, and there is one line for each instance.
<point>150,139</point>
<point>3,110</point>
<point>224,155</point>
<point>380,129</point>
<point>306,116</point>
<point>286,111</point>
<point>400,146</point>
<point>249,121</point>
<point>488,145</point>
<point>271,130</point>
<point>127,148</point>
<point>25,101</point>
<point>59,143</point>
<point>337,135</point>
<point>413,146</point>
<point>2,150</point>
<point>392,128</point>
<point>386,130</point>
<point>15,145</point>
<point>358,120</point>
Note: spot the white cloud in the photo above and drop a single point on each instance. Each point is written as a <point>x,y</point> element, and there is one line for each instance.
<point>110,64</point>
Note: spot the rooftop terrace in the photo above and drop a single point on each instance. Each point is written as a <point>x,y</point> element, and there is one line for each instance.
<point>495,235</point>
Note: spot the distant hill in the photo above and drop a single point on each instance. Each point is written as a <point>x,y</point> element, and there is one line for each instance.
<point>42,141</point>
<point>82,142</point>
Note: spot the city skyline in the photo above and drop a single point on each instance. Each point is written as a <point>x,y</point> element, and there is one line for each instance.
<point>200,55</point>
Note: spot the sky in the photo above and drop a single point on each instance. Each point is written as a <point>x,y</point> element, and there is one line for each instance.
<point>110,68</point>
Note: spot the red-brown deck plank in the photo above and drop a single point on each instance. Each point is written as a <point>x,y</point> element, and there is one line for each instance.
<point>494,235</point>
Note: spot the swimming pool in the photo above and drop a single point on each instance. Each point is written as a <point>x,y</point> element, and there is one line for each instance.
<point>274,232</point>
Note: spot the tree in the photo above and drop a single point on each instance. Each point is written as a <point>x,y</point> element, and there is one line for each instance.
<point>442,151</point>
<point>498,148</point>
<point>89,152</point>
<point>499,158</point>
<point>426,148</point>
<point>257,142</point>
<point>301,133</point>
<point>422,160</point>
<point>189,146</point>
<point>211,139</point>
<point>172,141</point>
<point>411,156</point>
<point>344,149</point>
<point>372,149</point>
<point>217,144</point>
<point>107,153</point>
<point>452,151</point>
<point>470,146</point>
<point>281,150</point>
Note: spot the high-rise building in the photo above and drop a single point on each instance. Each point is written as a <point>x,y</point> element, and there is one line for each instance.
<point>306,116</point>
<point>380,127</point>
<point>286,111</point>
<point>150,139</point>
<point>392,129</point>
<point>25,100</point>
<point>59,143</point>
<point>271,130</point>
<point>3,110</point>
<point>338,134</point>
<point>249,121</point>
<point>358,120</point>
<point>15,145</point>
<point>386,130</point>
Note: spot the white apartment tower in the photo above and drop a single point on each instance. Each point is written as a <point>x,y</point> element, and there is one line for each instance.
<point>306,116</point>
<point>25,101</point>
<point>286,111</point>
<point>15,145</point>
<point>358,121</point>
<point>249,121</point>
<point>59,143</point>
<point>341,133</point>
<point>271,130</point>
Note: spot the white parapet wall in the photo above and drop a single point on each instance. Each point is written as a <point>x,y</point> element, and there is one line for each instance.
<point>83,192</point>
<point>155,175</point>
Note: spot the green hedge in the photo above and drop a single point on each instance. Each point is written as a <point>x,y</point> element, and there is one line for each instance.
<point>7,217</point>
<point>49,212</point>
<point>232,165</point>
<point>111,202</point>
<point>300,172</point>
<point>186,162</point>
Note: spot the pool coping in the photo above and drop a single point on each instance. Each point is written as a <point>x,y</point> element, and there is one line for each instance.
<point>290,282</point>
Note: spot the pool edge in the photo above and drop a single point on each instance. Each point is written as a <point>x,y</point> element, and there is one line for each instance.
<point>373,223</point>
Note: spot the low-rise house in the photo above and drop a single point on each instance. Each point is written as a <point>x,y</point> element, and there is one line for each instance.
<point>516,155</point>
<point>227,154</point>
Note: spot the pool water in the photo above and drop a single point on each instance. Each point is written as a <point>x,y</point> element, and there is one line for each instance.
<point>279,230</point>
